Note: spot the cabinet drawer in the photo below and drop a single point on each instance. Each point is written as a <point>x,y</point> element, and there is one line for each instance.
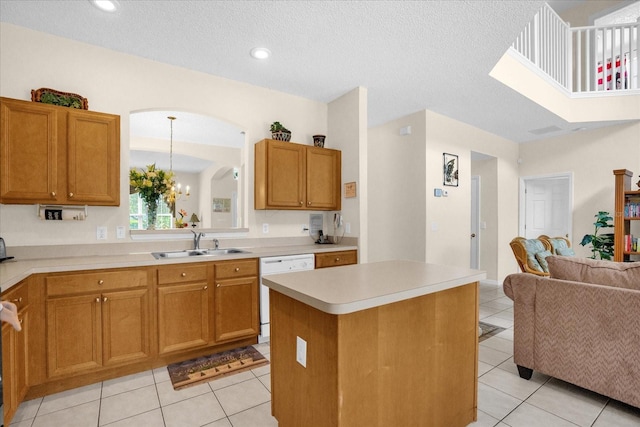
<point>18,295</point>
<point>95,282</point>
<point>335,259</point>
<point>182,273</point>
<point>236,268</point>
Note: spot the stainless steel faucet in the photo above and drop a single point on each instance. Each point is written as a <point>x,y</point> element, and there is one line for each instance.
<point>196,239</point>
<point>216,243</point>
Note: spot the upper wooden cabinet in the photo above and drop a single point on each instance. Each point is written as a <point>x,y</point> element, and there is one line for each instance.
<point>296,176</point>
<point>51,154</point>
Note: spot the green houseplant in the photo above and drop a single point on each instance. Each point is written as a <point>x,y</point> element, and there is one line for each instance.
<point>279,132</point>
<point>601,244</point>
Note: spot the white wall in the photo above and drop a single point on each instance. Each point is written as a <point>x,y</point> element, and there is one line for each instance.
<point>347,123</point>
<point>407,221</point>
<point>397,200</point>
<point>591,156</point>
<point>117,83</point>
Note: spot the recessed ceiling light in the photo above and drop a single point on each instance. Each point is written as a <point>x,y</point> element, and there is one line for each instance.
<point>106,5</point>
<point>260,53</point>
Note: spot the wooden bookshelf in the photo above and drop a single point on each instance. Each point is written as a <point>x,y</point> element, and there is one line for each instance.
<point>622,220</point>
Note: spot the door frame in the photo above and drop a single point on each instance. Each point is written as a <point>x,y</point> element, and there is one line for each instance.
<point>522,199</point>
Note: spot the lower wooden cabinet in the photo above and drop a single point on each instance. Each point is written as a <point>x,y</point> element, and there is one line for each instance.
<point>185,306</point>
<point>336,259</point>
<point>87,331</point>
<point>184,315</point>
<point>15,354</point>
<point>236,308</point>
<point>236,299</point>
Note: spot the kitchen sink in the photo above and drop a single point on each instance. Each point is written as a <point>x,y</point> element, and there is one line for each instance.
<point>197,252</point>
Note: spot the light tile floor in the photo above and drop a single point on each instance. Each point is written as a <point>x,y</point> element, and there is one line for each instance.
<point>147,399</point>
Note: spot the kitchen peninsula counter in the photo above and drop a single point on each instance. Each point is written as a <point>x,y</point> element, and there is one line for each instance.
<point>387,343</point>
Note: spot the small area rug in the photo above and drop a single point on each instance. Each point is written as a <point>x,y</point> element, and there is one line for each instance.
<point>488,331</point>
<point>207,368</point>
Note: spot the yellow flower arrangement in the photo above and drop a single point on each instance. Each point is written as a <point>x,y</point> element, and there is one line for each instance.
<point>152,183</point>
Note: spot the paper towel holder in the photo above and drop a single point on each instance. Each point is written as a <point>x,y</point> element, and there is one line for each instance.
<point>62,212</point>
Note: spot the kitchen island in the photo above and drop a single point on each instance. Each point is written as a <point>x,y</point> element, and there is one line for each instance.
<point>392,343</point>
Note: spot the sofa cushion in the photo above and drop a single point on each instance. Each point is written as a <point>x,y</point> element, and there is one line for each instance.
<point>542,260</point>
<point>587,270</point>
<point>557,244</point>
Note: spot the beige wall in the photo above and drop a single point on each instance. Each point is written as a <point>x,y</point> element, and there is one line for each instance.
<point>118,83</point>
<point>347,124</point>
<point>407,221</point>
<point>397,197</point>
<point>591,156</point>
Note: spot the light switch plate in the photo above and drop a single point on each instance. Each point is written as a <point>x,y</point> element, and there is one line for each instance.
<point>301,351</point>
<point>101,233</point>
<point>120,232</point>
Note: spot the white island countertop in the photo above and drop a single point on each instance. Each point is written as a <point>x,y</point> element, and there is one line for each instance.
<point>347,289</point>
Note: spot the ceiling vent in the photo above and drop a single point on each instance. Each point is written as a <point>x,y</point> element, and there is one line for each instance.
<point>542,131</point>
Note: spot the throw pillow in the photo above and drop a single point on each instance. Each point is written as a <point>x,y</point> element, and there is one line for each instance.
<point>566,252</point>
<point>542,260</point>
<point>533,263</point>
<point>587,270</point>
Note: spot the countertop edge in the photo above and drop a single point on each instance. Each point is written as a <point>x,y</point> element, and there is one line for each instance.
<point>377,301</point>
<point>14,271</point>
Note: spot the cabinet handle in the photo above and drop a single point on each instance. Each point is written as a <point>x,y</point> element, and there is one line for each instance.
<point>70,194</point>
<point>20,320</point>
<point>217,285</point>
<point>237,269</point>
<point>308,203</point>
<point>100,282</point>
<point>301,203</point>
<point>337,259</point>
<point>53,194</point>
<point>205,287</point>
<point>183,274</point>
<point>17,300</point>
<point>104,299</point>
<point>98,299</point>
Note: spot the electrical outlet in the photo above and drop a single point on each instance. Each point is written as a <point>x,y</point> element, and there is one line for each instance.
<point>101,233</point>
<point>301,351</point>
<point>120,231</point>
<point>265,228</point>
<point>347,227</point>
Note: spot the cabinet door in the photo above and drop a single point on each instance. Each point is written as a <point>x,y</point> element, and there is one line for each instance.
<point>28,153</point>
<point>8,382</point>
<point>183,316</point>
<point>236,302</point>
<point>93,164</point>
<point>285,175</point>
<point>74,335</point>
<point>125,326</point>
<point>21,354</point>
<point>323,178</point>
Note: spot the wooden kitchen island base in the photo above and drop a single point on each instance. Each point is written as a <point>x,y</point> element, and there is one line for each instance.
<point>407,363</point>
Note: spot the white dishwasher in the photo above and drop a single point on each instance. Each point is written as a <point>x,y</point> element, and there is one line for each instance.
<point>278,265</point>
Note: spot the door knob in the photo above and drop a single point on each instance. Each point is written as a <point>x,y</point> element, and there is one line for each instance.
<point>473,234</point>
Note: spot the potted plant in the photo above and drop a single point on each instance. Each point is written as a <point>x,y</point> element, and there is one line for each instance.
<point>279,132</point>
<point>602,244</point>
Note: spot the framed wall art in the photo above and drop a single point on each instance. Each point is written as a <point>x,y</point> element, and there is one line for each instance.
<point>450,169</point>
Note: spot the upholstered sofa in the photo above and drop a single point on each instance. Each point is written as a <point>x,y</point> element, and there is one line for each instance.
<point>581,324</point>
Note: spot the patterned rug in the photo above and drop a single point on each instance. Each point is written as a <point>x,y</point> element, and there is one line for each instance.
<point>207,368</point>
<point>488,331</point>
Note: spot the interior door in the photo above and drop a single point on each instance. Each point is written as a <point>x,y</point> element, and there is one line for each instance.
<point>475,222</point>
<point>547,202</point>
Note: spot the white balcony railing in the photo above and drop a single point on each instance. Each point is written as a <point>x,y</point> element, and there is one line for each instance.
<point>582,59</point>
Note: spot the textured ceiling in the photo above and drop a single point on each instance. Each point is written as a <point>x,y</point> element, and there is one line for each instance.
<point>410,55</point>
